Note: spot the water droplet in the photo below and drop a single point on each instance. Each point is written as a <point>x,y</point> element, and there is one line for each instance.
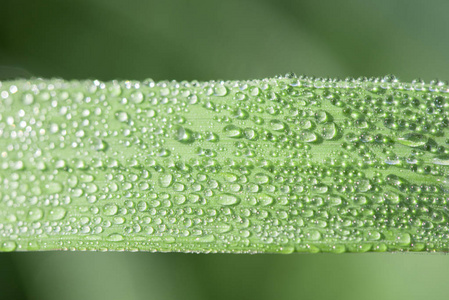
<point>53,187</point>
<point>413,140</point>
<point>277,125</point>
<point>28,99</point>
<point>220,90</point>
<point>179,187</point>
<point>334,200</point>
<point>227,199</point>
<point>240,114</point>
<point>212,137</point>
<point>8,246</point>
<point>229,177</point>
<point>251,134</point>
<point>110,209</point>
<point>165,180</point>
<point>233,131</point>
<point>374,235</point>
<point>265,199</point>
<point>98,144</point>
<point>363,185</point>
<point>314,235</point>
<point>404,239</point>
<point>35,214</point>
<point>322,116</point>
<point>205,239</point>
<point>261,178</point>
<point>223,228</point>
<point>442,160</point>
<point>57,213</point>
<point>91,188</point>
<point>182,134</point>
<point>122,116</point>
<point>308,136</point>
<point>329,131</point>
<point>115,237</point>
<point>137,97</point>
<point>115,89</point>
<point>239,96</point>
<point>320,188</point>
<point>338,249</point>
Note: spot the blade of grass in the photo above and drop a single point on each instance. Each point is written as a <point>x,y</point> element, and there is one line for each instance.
<point>277,165</point>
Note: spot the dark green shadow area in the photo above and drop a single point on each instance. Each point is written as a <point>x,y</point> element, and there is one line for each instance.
<point>57,275</point>
<point>11,284</point>
<point>212,39</point>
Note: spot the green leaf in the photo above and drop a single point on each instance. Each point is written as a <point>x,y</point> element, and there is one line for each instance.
<point>287,164</point>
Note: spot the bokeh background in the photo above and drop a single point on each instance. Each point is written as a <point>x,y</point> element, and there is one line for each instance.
<point>227,39</point>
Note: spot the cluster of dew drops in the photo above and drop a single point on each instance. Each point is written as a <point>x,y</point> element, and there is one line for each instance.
<point>280,165</point>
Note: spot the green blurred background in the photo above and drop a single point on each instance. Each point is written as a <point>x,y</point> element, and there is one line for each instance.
<point>187,40</point>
